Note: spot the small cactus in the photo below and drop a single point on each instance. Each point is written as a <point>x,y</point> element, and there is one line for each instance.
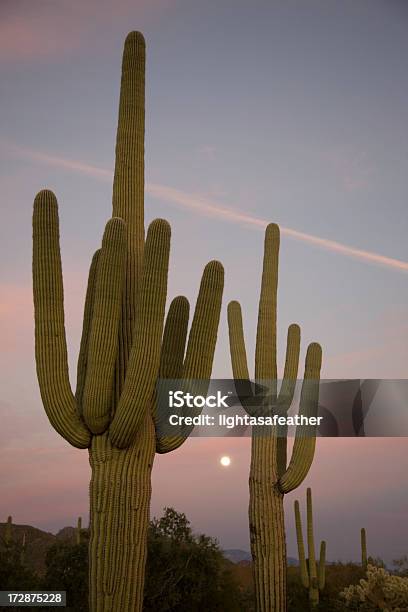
<point>312,573</point>
<point>9,530</point>
<point>23,548</point>
<point>364,561</point>
<point>78,530</point>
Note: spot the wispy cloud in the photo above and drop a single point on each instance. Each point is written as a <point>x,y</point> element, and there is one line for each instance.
<point>211,208</point>
<point>58,162</point>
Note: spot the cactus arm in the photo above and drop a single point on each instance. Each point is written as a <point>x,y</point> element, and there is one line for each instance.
<point>304,575</point>
<point>290,372</point>
<point>103,340</point>
<point>203,333</point>
<point>287,391</point>
<point>128,183</point>
<point>202,338</point>
<point>239,362</point>
<point>83,349</point>
<point>305,441</point>
<point>174,339</point>
<point>50,342</point>
<point>310,537</point>
<point>144,359</point>
<point>322,565</point>
<point>363,548</point>
<point>172,357</point>
<point>237,342</point>
<point>265,350</point>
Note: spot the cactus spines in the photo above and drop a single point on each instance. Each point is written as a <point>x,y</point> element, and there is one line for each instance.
<point>364,558</point>
<point>122,352</point>
<point>312,573</point>
<point>270,475</point>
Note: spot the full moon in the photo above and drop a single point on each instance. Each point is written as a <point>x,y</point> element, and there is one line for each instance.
<point>225,461</point>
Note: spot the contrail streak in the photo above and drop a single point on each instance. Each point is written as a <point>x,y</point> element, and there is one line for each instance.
<point>210,208</point>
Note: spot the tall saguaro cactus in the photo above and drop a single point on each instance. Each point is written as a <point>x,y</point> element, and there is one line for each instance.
<point>312,573</point>
<point>123,352</point>
<point>270,475</point>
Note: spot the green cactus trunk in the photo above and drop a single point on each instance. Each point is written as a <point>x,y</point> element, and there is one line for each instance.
<point>313,596</point>
<point>120,493</point>
<point>267,527</point>
<point>120,487</point>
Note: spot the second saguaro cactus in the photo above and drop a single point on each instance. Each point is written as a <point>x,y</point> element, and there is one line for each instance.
<point>271,476</point>
<point>123,352</point>
<point>312,573</point>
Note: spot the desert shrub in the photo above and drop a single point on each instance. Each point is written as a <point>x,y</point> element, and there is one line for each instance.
<point>67,570</point>
<point>379,591</point>
<point>187,572</point>
<point>14,574</point>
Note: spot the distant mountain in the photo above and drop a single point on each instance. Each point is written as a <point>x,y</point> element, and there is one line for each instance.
<point>37,542</point>
<point>236,555</point>
<point>292,561</point>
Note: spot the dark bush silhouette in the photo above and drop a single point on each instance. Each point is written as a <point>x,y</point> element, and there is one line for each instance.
<point>67,570</point>
<point>13,571</point>
<point>186,571</point>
